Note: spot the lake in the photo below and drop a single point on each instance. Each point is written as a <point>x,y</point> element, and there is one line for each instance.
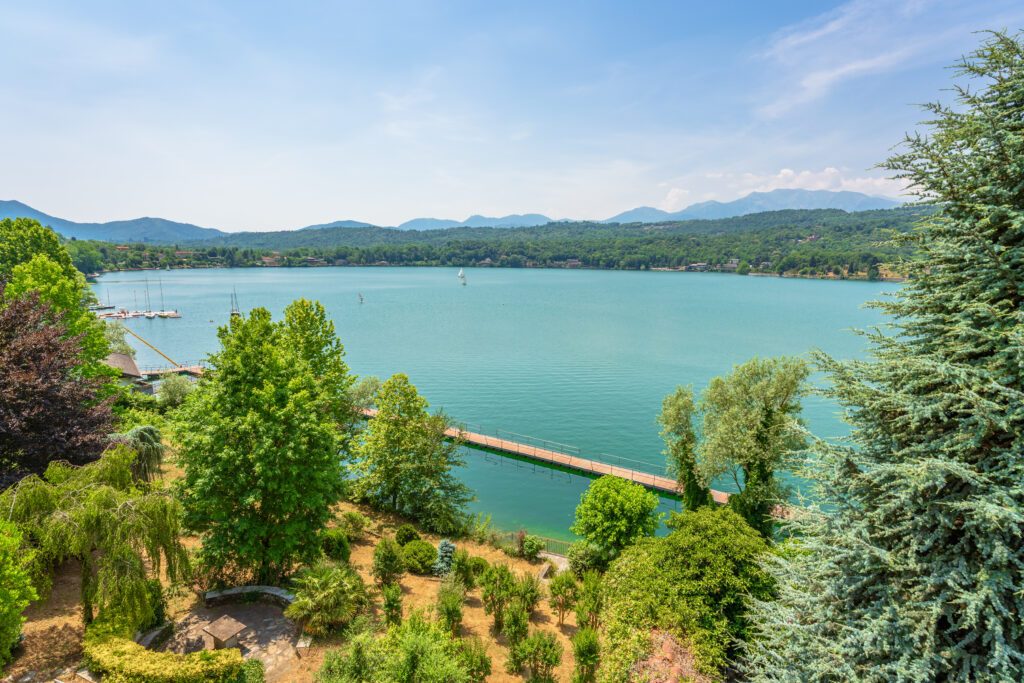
<point>577,357</point>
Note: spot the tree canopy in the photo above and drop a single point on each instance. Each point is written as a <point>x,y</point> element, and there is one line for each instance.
<point>48,408</point>
<point>614,513</point>
<point>404,462</point>
<point>261,445</point>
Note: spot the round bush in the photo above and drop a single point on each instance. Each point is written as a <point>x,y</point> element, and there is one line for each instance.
<point>532,545</point>
<point>478,565</point>
<point>354,523</point>
<point>584,557</point>
<point>406,533</point>
<point>334,543</point>
<point>419,556</point>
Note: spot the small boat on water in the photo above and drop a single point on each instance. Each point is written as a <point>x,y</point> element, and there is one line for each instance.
<point>168,314</point>
<point>462,276</point>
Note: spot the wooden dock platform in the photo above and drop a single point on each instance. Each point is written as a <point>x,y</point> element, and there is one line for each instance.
<point>585,466</point>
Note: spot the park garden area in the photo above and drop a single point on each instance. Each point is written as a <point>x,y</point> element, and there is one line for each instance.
<point>121,511</point>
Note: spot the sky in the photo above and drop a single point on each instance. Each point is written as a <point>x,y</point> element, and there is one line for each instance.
<point>264,115</point>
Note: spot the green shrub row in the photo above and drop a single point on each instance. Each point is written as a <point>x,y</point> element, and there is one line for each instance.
<point>121,660</point>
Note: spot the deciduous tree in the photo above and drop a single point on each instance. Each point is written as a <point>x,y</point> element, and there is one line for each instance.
<point>676,419</point>
<point>615,512</point>
<point>48,409</point>
<point>260,443</point>
<point>404,462</point>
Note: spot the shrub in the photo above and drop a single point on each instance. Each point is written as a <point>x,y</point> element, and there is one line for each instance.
<point>16,588</point>
<point>252,672</point>
<point>449,605</point>
<point>354,523</point>
<point>517,622</point>
<point>528,589</point>
<point>694,583</point>
<point>462,569</point>
<point>392,593</point>
<point>121,660</point>
<point>477,661</point>
<point>498,585</point>
<point>419,556</point>
<point>589,601</point>
<point>478,565</point>
<point>584,556</point>
<point>540,653</point>
<point>416,650</point>
<point>173,390</point>
<point>326,597</point>
<point>405,534</point>
<point>158,602</point>
<point>563,589</point>
<point>586,651</point>
<point>532,546</point>
<point>479,528</point>
<point>445,552</point>
<point>388,563</point>
<point>334,543</point>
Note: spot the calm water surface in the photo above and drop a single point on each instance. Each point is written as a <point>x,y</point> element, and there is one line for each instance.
<point>576,357</point>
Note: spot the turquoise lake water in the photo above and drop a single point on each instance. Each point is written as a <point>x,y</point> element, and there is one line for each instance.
<point>573,356</point>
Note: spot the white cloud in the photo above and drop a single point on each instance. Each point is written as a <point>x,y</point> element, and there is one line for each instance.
<point>862,38</point>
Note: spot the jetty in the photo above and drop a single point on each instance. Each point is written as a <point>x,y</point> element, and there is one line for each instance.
<point>562,460</point>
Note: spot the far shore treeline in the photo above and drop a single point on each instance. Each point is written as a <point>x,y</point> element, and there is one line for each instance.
<point>810,243</point>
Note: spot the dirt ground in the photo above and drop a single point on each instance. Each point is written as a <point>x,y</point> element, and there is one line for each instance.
<point>54,630</point>
<point>420,592</point>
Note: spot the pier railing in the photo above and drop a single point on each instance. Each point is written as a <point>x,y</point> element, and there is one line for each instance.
<point>524,445</point>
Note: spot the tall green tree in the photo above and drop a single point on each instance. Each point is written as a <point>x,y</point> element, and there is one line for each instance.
<point>405,461</point>
<point>676,419</point>
<point>750,429</point>
<point>261,447</point>
<point>912,567</point>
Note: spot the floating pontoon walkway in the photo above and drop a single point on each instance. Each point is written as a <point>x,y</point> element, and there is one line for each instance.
<point>586,466</point>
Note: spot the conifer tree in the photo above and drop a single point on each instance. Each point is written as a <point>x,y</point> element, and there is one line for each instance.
<point>912,568</point>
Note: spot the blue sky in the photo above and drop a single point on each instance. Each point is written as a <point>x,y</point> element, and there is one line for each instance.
<point>258,116</point>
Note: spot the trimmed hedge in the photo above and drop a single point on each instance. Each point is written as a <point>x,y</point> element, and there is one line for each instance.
<point>122,660</point>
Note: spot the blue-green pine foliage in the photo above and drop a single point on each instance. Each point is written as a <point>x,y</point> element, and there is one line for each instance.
<point>911,568</point>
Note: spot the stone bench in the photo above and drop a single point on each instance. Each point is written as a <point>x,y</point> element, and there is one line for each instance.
<point>269,594</point>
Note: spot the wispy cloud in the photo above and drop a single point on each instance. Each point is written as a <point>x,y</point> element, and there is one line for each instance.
<point>811,59</point>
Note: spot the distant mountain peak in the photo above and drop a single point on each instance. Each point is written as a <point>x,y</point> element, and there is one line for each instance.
<point>756,202</point>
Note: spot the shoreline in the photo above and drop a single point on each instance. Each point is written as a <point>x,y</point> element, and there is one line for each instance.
<point>783,276</point>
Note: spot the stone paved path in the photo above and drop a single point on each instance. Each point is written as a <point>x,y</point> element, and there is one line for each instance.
<point>269,636</point>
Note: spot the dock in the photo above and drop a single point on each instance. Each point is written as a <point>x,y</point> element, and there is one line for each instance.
<point>546,456</point>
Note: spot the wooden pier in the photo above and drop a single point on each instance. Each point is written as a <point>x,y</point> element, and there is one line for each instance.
<point>585,466</point>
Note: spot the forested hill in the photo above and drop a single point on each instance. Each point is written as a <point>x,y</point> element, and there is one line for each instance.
<point>863,223</point>
<point>822,243</point>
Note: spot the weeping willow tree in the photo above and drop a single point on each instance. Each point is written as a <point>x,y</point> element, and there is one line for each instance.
<point>121,530</point>
<point>147,443</point>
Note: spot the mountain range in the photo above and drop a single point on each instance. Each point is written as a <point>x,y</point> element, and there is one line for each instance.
<point>160,230</point>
